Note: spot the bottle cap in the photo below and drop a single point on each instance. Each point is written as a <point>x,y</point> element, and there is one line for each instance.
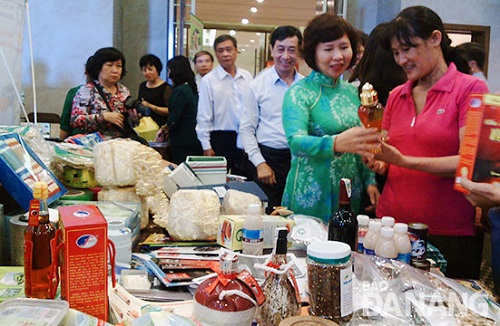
<point>375,225</point>
<point>228,263</point>
<point>254,209</point>
<point>401,227</point>
<point>41,190</point>
<point>330,252</point>
<point>363,219</point>
<point>368,95</point>
<point>387,232</point>
<point>388,221</point>
<point>281,240</point>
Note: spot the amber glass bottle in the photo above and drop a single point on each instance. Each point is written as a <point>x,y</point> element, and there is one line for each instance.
<point>37,250</point>
<point>343,226</point>
<point>371,110</point>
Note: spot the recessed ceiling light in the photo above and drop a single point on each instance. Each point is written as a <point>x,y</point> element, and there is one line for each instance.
<point>232,32</point>
<point>252,40</point>
<point>258,33</point>
<point>247,46</point>
<point>253,9</point>
<point>243,50</point>
<point>244,21</point>
<point>260,1</point>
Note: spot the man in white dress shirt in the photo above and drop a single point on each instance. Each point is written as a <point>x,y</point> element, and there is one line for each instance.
<point>261,129</point>
<point>220,106</point>
<point>203,64</point>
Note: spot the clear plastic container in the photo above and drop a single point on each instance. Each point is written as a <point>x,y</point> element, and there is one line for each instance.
<point>372,237</point>
<point>34,312</point>
<point>329,272</point>
<point>386,247</point>
<point>135,280</point>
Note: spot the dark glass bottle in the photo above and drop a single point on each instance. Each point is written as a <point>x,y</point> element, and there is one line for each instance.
<point>38,281</point>
<point>343,226</point>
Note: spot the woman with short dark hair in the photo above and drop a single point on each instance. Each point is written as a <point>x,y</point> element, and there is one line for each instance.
<point>99,104</point>
<point>322,126</point>
<point>183,106</point>
<point>154,92</point>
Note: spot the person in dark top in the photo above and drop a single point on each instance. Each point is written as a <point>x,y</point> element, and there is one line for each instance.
<point>154,92</point>
<point>65,129</point>
<point>65,125</point>
<point>183,105</point>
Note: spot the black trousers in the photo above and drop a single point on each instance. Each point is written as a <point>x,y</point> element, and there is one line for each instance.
<point>279,161</point>
<point>463,254</point>
<point>223,143</point>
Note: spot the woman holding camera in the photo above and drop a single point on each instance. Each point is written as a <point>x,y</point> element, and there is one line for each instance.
<point>99,104</point>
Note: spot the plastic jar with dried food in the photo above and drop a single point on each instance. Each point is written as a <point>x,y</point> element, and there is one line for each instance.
<point>329,272</point>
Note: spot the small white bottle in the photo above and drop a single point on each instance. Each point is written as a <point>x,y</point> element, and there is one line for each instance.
<point>253,234</point>
<point>372,237</point>
<point>387,221</point>
<point>363,221</point>
<point>386,247</point>
<point>402,241</point>
<point>122,239</point>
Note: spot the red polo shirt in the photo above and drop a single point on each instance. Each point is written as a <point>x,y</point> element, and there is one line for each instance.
<point>413,196</point>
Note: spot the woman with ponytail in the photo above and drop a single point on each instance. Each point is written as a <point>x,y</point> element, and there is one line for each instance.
<point>423,127</point>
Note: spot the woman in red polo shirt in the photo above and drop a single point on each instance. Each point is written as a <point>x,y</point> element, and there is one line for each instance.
<point>424,125</point>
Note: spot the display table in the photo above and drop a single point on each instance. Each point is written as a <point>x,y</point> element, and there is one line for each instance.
<point>386,292</point>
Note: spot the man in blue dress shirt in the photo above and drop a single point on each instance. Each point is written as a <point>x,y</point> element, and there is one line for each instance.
<point>261,128</point>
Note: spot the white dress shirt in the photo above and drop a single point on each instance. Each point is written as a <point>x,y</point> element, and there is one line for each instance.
<point>220,103</point>
<point>197,79</point>
<point>262,122</point>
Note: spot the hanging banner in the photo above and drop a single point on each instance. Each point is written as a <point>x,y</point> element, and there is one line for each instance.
<point>195,42</point>
<point>12,17</point>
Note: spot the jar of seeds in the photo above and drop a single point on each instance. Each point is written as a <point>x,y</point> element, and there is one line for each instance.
<point>329,272</point>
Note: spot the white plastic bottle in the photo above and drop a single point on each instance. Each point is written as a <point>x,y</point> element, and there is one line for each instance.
<point>363,221</point>
<point>122,239</point>
<point>402,241</point>
<point>253,234</point>
<point>387,221</point>
<point>371,237</point>
<point>386,247</point>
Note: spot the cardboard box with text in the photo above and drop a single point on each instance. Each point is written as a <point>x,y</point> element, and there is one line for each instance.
<point>84,259</point>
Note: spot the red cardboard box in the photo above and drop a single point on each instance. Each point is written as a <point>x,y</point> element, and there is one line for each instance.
<point>84,262</point>
<point>480,149</point>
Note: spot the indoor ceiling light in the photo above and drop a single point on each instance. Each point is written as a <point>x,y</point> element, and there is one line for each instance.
<point>232,32</point>
<point>260,1</point>
<point>253,9</point>
<point>252,40</point>
<point>244,21</point>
